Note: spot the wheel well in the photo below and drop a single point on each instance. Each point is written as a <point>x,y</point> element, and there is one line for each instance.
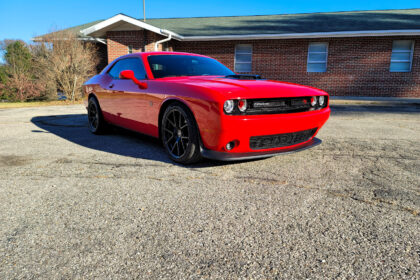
<point>165,105</point>
<point>91,95</point>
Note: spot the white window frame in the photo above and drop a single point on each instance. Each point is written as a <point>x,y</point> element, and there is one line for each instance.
<point>400,61</point>
<point>317,62</point>
<point>235,62</point>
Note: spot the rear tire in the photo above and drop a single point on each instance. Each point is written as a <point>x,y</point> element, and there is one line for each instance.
<point>96,121</point>
<point>180,135</point>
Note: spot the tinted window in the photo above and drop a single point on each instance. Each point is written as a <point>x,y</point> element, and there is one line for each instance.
<point>186,65</point>
<point>134,64</point>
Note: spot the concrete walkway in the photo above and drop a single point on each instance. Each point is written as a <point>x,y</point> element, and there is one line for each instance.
<point>373,100</point>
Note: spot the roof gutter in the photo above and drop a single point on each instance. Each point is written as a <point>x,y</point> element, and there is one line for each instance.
<point>339,34</point>
<point>162,41</point>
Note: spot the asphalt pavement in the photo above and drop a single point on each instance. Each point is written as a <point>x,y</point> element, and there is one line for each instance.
<point>77,205</point>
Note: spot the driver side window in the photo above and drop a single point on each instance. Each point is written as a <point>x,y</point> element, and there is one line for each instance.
<point>132,63</point>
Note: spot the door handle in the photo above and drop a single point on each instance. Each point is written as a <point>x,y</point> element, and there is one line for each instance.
<point>111,85</point>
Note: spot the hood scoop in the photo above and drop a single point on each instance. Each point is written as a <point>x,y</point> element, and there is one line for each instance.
<point>244,77</point>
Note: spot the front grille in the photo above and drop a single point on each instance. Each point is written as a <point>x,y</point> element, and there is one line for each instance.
<point>280,140</point>
<point>279,105</point>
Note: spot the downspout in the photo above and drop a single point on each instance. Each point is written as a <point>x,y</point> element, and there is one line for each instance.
<point>162,41</point>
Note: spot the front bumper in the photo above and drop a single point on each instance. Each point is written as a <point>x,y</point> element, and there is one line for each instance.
<point>225,156</point>
<point>245,129</point>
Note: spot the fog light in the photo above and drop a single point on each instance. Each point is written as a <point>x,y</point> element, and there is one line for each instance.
<point>242,105</point>
<point>228,106</point>
<point>313,101</point>
<point>321,100</point>
<point>230,145</point>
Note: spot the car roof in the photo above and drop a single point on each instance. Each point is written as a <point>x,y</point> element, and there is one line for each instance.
<point>145,54</point>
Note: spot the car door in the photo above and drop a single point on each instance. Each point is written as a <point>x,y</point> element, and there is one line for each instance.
<point>129,100</point>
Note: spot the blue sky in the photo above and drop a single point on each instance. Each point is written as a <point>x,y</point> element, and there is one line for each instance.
<point>23,19</point>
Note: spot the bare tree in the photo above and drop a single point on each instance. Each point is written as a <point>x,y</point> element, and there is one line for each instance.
<point>67,61</point>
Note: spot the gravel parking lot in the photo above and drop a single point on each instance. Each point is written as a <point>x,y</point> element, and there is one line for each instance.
<point>76,205</point>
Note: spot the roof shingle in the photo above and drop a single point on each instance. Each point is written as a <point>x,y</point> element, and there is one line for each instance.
<point>408,19</point>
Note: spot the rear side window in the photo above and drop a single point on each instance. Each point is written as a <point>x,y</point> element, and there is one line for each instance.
<point>135,64</point>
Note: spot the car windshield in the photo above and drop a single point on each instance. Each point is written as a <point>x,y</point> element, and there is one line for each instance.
<point>186,65</point>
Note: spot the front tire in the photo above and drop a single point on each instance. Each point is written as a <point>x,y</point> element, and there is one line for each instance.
<point>180,135</point>
<point>96,121</point>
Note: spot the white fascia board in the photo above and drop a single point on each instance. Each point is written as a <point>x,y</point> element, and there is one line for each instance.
<point>367,33</point>
<point>120,17</point>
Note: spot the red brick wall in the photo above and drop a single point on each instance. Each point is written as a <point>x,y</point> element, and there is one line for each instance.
<point>356,66</point>
<point>118,42</point>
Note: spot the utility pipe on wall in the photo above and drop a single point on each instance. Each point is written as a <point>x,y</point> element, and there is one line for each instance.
<point>144,10</point>
<point>162,41</point>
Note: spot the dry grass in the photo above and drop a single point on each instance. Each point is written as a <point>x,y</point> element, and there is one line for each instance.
<point>6,105</point>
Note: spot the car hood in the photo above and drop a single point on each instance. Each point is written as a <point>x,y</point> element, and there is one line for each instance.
<point>235,88</point>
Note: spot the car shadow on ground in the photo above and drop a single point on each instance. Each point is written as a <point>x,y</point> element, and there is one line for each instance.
<point>74,128</point>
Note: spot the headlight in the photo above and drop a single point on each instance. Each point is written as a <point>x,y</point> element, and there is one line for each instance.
<point>313,101</point>
<point>321,100</point>
<point>228,106</point>
<point>242,105</point>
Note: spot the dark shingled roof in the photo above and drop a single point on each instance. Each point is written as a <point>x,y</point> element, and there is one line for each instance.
<point>75,29</point>
<point>287,23</point>
<point>292,23</point>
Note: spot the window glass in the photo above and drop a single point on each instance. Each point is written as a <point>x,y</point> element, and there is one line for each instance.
<point>186,65</point>
<point>316,67</point>
<point>402,45</point>
<point>243,58</point>
<point>400,67</point>
<point>317,47</point>
<point>402,56</point>
<point>314,57</point>
<point>317,57</point>
<point>135,64</point>
<point>406,56</point>
<point>243,67</point>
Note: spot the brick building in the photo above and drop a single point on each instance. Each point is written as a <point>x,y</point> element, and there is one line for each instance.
<point>363,53</point>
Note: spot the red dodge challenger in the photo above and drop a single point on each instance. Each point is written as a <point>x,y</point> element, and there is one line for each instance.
<point>200,108</point>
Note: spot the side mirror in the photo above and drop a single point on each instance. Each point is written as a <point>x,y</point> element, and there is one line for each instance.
<point>129,75</point>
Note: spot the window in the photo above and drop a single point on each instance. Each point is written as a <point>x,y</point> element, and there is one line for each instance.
<point>134,64</point>
<point>317,57</point>
<point>243,58</point>
<point>402,56</point>
<point>130,49</point>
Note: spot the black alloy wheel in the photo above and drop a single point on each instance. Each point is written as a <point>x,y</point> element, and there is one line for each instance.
<point>95,119</point>
<point>180,135</point>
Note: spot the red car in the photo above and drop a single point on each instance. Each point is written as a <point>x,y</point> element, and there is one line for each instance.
<point>200,108</point>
